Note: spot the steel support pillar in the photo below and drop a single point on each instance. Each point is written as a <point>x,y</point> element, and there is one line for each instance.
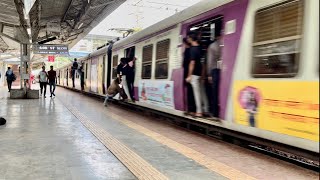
<point>25,58</point>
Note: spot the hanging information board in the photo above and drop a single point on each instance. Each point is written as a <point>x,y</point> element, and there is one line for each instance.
<point>50,49</point>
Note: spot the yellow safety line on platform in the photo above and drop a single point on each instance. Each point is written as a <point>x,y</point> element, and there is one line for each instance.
<point>137,165</point>
<point>198,157</point>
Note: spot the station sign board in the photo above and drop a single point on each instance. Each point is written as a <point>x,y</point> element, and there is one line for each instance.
<point>50,49</point>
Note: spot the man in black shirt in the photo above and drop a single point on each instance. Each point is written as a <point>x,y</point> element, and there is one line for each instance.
<point>194,74</point>
<point>120,67</point>
<point>191,107</point>
<point>73,70</point>
<point>130,73</point>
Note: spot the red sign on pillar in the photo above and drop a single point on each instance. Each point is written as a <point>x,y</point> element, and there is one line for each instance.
<point>50,58</point>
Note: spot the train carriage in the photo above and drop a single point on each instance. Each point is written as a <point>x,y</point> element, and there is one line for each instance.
<point>270,56</point>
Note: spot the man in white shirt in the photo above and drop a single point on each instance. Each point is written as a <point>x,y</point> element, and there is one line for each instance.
<point>214,64</point>
<point>43,79</point>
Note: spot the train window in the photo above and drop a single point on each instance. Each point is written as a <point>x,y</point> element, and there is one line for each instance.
<point>147,61</point>
<point>162,59</point>
<point>114,66</point>
<point>277,40</point>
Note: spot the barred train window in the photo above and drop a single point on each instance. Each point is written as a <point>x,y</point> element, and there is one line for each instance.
<point>162,59</point>
<point>114,66</point>
<point>277,40</point>
<point>147,61</point>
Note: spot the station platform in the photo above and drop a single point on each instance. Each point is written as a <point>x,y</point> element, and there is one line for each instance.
<point>73,136</point>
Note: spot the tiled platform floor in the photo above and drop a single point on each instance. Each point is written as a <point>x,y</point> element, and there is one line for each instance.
<point>44,140</point>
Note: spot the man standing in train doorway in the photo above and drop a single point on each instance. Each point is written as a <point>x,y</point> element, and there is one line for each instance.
<point>130,71</point>
<point>214,64</point>
<point>81,77</point>
<point>73,70</point>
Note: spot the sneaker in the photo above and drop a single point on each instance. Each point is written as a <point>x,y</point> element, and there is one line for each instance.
<point>105,104</point>
<point>53,94</point>
<point>44,96</point>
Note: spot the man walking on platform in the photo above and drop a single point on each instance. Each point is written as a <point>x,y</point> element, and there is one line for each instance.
<point>43,79</point>
<point>10,78</point>
<point>52,75</point>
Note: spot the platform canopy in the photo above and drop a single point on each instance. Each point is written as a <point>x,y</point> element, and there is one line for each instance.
<point>49,21</point>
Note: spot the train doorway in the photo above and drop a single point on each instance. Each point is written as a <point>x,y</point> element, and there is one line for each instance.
<point>104,74</point>
<point>210,33</point>
<point>67,77</point>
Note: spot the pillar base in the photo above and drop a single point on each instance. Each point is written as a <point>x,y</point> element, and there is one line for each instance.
<point>32,94</point>
<point>20,94</point>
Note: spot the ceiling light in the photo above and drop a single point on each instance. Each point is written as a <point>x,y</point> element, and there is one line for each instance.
<point>29,31</point>
<point>80,25</point>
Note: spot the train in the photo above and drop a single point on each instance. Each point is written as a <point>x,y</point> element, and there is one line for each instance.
<point>270,49</point>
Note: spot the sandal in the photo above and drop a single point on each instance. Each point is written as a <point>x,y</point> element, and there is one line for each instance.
<point>198,115</point>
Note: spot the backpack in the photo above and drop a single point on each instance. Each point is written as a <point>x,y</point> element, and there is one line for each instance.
<point>11,77</point>
<point>14,77</point>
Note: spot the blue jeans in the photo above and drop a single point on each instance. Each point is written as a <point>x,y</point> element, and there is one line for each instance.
<point>52,84</point>
<point>108,97</point>
<point>251,120</point>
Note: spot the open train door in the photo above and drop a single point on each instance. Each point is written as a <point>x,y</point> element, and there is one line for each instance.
<point>109,70</point>
<point>208,31</point>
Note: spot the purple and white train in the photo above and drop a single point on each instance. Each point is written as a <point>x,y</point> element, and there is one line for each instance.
<point>270,50</point>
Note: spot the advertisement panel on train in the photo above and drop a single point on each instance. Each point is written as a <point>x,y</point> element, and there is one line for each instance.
<point>159,93</point>
<point>290,108</point>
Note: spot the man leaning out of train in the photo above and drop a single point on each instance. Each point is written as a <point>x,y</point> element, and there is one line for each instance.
<point>113,90</point>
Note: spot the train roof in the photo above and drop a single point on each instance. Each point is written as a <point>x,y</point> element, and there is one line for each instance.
<point>197,9</point>
<point>98,52</point>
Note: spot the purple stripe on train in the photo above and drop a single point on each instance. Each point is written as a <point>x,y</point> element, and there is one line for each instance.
<point>234,10</point>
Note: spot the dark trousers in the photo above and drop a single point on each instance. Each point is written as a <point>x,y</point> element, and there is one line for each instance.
<point>191,104</point>
<point>43,85</point>
<point>131,88</point>
<point>52,84</point>
<point>215,106</point>
<point>252,121</point>
<point>82,85</point>
<point>73,76</point>
<point>9,83</point>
